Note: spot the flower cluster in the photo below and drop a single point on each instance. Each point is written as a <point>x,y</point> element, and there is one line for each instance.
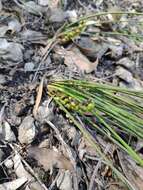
<point>75,105</point>
<point>73,32</point>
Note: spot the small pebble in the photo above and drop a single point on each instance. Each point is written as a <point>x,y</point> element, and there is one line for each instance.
<point>28,54</point>
<point>14,25</point>
<point>8,163</point>
<point>29,66</point>
<point>71,15</point>
<point>124,74</point>
<point>126,62</point>
<point>57,15</point>
<point>135,85</point>
<point>2,79</point>
<point>27,130</point>
<point>43,2</point>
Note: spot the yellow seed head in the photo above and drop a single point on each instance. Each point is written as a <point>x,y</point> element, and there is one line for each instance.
<point>66,100</point>
<point>70,34</point>
<point>68,106</point>
<point>73,104</point>
<point>90,106</point>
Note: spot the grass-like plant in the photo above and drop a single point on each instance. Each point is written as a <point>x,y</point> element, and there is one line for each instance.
<point>114,112</point>
<point>74,29</point>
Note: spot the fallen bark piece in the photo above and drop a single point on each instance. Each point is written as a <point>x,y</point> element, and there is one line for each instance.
<point>21,172</point>
<point>13,185</point>
<point>6,132</point>
<point>64,181</point>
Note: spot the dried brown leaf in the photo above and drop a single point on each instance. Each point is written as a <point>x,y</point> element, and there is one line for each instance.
<point>132,171</point>
<point>85,147</point>
<point>22,172</point>
<point>50,158</point>
<point>75,60</point>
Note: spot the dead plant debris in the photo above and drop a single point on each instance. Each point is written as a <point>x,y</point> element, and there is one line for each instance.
<point>63,137</point>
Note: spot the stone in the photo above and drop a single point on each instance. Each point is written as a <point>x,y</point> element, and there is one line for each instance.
<point>29,66</point>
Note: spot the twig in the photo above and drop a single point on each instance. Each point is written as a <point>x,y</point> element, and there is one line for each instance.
<point>33,173</point>
<point>48,49</point>
<point>2,113</point>
<point>82,5</point>
<point>38,97</point>
<point>18,4</point>
<point>23,6</point>
<point>68,150</point>
<point>30,169</point>
<point>97,167</point>
<point>62,141</point>
<point>54,181</point>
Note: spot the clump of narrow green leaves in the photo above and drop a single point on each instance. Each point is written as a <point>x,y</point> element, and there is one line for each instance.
<point>74,29</point>
<point>70,33</point>
<point>74,105</point>
<point>118,111</point>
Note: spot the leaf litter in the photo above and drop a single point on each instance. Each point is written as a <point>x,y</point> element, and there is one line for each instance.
<point>36,136</point>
